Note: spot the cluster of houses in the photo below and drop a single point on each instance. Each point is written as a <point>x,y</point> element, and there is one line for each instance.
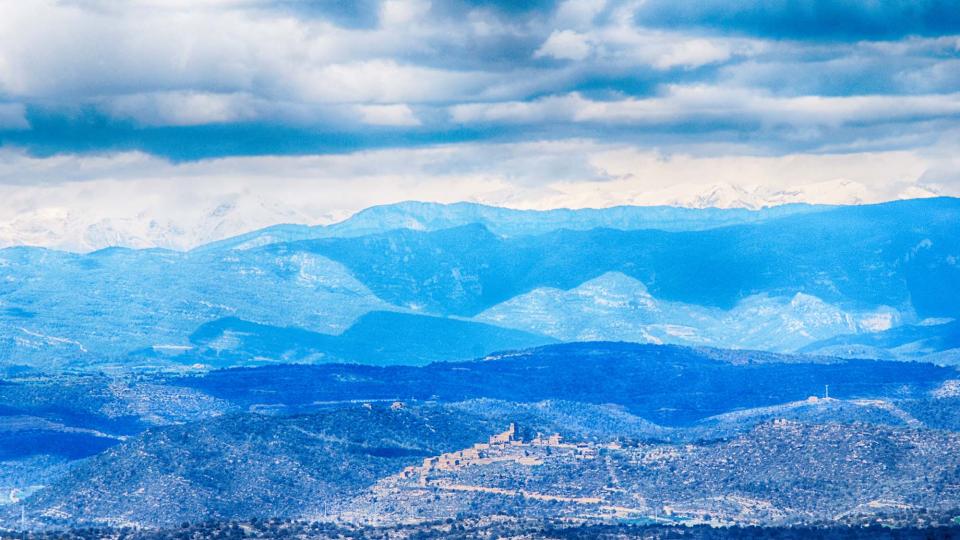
<point>505,446</point>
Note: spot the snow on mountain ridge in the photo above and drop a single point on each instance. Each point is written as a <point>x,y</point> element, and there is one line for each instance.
<point>725,195</point>
<point>198,223</point>
<point>71,230</point>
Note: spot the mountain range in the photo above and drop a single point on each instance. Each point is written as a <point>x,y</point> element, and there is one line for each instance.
<point>422,363</point>
<point>481,279</point>
<point>73,227</point>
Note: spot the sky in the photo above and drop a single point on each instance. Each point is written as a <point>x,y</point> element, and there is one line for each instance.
<point>168,115</point>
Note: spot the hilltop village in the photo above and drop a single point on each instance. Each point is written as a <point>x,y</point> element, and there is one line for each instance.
<point>545,476</point>
<point>346,444</point>
<point>506,446</point>
<point>492,471</point>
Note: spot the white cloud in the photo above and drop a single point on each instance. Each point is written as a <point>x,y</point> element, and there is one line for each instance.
<point>149,60</point>
<point>685,103</point>
<point>385,81</point>
<point>548,108</point>
<point>85,202</point>
<point>163,63</point>
<point>180,63</point>
<point>182,108</point>
<point>388,115</point>
<point>185,63</point>
<point>578,13</point>
<point>401,12</point>
<point>692,53</point>
<point>640,176</point>
<point>564,45</point>
<point>619,42</point>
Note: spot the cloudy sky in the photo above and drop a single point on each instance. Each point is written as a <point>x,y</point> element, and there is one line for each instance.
<point>157,112</point>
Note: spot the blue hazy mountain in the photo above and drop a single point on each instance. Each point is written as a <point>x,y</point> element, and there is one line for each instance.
<point>780,280</point>
<point>901,254</point>
<point>378,338</point>
<point>907,342</point>
<point>61,308</point>
<point>425,216</point>
<point>668,385</point>
<point>617,307</point>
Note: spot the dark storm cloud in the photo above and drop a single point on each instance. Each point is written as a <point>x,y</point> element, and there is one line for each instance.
<point>252,77</point>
